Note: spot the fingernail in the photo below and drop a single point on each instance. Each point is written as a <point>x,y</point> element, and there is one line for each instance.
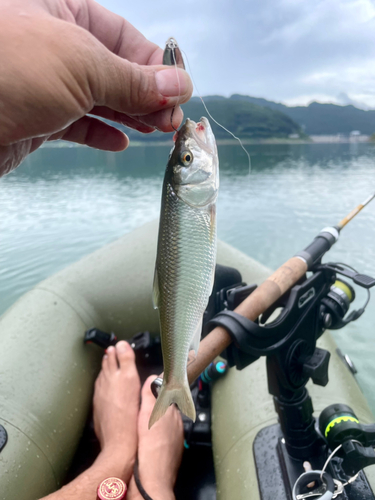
<point>169,84</point>
<point>178,116</point>
<point>105,356</point>
<point>121,346</point>
<point>109,349</point>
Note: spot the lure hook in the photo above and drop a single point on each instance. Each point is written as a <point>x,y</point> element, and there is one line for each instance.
<point>172,57</point>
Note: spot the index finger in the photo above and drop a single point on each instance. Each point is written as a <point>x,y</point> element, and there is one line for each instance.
<point>118,35</point>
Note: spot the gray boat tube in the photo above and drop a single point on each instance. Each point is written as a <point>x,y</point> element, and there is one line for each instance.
<point>47,374</point>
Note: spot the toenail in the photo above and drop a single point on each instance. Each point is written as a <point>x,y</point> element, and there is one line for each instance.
<point>122,346</point>
<point>105,356</point>
<point>110,348</point>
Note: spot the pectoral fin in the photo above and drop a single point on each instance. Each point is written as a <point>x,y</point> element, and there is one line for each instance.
<point>156,294</point>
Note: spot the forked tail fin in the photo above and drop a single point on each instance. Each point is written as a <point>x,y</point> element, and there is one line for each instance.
<point>179,394</point>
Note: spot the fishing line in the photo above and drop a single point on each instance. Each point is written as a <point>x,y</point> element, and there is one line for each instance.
<point>179,87</point>
<point>212,118</point>
<point>179,93</point>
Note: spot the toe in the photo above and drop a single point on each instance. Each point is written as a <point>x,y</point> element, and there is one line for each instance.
<point>125,354</point>
<point>112,360</point>
<point>105,363</point>
<point>146,389</point>
<point>148,399</point>
<point>147,404</point>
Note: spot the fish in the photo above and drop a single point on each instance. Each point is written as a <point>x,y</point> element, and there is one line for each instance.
<point>186,258</point>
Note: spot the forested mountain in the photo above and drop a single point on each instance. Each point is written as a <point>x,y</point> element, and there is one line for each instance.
<point>256,118</point>
<point>321,119</point>
<point>243,118</point>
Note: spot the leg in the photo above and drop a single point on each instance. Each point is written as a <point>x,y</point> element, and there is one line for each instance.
<point>159,451</point>
<point>116,406</point>
<point>116,403</point>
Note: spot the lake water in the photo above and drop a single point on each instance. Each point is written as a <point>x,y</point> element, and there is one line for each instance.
<point>64,203</point>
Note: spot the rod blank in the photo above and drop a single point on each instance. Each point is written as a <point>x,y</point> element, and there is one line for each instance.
<point>354,212</point>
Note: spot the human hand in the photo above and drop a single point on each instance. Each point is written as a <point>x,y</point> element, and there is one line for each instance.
<point>63,59</point>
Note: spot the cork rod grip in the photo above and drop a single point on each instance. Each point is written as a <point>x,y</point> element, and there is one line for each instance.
<point>257,303</point>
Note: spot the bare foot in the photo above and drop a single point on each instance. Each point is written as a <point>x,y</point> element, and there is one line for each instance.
<point>116,404</point>
<point>159,450</point>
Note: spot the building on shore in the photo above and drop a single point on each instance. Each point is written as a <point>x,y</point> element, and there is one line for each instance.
<point>354,136</point>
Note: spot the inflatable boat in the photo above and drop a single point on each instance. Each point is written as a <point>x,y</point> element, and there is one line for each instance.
<point>47,375</point>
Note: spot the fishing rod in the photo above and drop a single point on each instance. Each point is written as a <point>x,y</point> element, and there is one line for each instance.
<point>269,292</point>
<point>354,212</point>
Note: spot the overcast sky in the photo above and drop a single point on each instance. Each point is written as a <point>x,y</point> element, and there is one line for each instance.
<point>291,51</point>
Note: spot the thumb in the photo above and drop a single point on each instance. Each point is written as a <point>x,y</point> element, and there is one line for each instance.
<point>138,90</point>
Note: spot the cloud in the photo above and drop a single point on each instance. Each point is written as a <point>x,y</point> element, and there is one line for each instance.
<point>278,49</point>
<point>305,100</point>
<point>345,99</point>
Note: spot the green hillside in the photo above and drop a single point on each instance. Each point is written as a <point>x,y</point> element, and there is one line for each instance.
<point>245,119</point>
<point>257,118</point>
<point>320,119</point>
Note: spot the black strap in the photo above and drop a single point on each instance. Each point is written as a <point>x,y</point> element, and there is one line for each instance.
<point>236,325</point>
<point>138,481</point>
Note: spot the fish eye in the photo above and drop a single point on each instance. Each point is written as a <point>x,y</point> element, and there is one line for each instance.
<point>186,158</point>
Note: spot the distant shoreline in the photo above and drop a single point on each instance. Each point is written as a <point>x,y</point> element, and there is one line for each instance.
<point>314,139</point>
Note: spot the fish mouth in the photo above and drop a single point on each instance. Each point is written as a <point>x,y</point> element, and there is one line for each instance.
<point>200,131</point>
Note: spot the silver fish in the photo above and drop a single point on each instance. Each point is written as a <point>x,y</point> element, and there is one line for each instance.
<point>186,257</point>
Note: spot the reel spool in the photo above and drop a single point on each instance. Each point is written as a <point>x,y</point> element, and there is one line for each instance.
<point>337,302</point>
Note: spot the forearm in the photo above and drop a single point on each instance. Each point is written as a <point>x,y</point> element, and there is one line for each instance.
<point>84,487</point>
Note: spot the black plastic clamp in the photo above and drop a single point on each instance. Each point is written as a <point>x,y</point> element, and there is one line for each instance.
<point>238,328</point>
<point>100,338</point>
<point>3,437</point>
